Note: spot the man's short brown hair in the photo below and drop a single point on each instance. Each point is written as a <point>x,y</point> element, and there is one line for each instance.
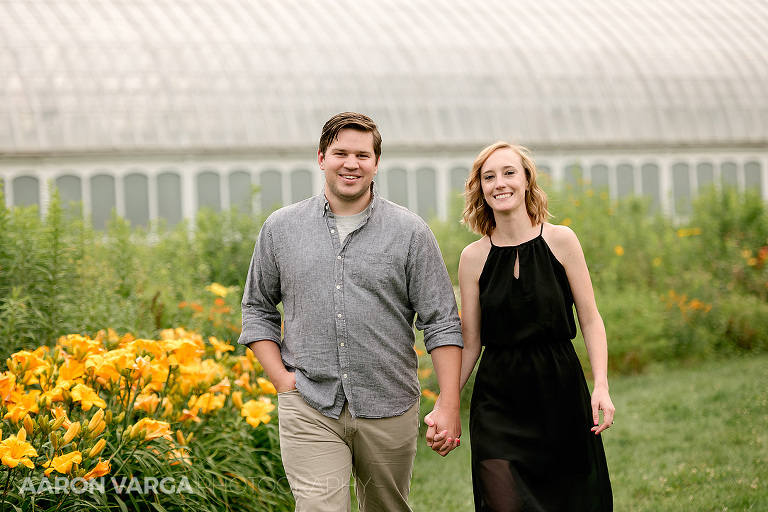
<point>351,120</point>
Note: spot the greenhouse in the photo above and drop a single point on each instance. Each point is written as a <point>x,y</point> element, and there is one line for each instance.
<point>158,109</point>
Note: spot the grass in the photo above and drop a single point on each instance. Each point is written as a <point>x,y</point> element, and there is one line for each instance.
<point>689,439</point>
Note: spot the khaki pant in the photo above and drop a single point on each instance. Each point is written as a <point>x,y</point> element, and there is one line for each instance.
<point>320,453</point>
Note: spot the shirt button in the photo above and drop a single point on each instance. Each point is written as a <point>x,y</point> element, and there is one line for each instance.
<point>333,231</point>
<point>339,315</point>
<point>338,287</point>
<point>338,257</point>
<point>341,344</point>
<point>345,375</point>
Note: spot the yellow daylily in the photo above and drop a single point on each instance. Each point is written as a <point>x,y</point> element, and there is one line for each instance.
<point>207,402</point>
<point>147,403</point>
<point>222,387</point>
<point>21,404</point>
<point>257,411</point>
<point>219,346</point>
<point>15,450</point>
<point>63,463</point>
<point>87,397</point>
<point>154,429</point>
<point>266,386</point>
<point>217,289</point>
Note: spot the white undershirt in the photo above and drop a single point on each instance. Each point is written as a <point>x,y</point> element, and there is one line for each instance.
<point>345,224</point>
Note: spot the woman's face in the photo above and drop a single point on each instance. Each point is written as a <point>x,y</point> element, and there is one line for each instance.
<point>503,180</point>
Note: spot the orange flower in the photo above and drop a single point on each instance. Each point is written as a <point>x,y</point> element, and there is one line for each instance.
<point>102,468</point>
<point>154,429</point>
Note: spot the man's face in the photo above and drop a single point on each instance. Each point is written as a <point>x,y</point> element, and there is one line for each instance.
<point>349,164</point>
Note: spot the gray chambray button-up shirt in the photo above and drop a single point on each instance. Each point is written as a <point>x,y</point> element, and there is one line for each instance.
<point>349,305</point>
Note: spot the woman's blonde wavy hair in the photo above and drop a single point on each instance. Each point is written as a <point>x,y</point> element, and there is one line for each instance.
<point>478,216</point>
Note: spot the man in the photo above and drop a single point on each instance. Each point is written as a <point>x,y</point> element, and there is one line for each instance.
<point>352,271</point>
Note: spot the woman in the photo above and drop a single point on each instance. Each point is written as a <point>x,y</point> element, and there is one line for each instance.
<point>534,429</point>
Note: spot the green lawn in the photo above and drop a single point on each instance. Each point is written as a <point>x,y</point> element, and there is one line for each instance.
<point>693,439</point>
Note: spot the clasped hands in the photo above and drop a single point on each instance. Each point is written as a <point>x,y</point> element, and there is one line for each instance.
<point>443,429</point>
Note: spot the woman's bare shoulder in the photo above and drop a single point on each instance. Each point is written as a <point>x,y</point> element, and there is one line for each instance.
<point>474,255</point>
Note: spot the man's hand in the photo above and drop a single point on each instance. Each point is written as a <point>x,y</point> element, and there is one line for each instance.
<point>443,430</point>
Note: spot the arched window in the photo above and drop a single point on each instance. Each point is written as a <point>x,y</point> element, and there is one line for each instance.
<point>651,183</point>
<point>169,197</point>
<point>573,175</point>
<point>70,189</point>
<point>705,175</point>
<point>681,188</point>
<point>271,190</point>
<point>729,174</point>
<point>397,186</point>
<point>136,190</point>
<point>240,190</point>
<point>599,176</point>
<point>752,175</point>
<point>625,181</point>
<point>26,191</point>
<point>208,191</point>
<point>102,199</point>
<point>301,185</point>
<point>459,177</point>
<point>426,193</point>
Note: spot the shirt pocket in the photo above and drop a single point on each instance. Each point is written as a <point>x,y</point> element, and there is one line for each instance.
<point>372,271</point>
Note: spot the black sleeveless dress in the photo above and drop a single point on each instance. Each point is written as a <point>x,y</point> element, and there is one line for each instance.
<point>530,416</point>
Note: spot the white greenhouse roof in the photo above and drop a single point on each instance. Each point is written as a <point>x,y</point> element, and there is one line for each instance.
<point>152,75</point>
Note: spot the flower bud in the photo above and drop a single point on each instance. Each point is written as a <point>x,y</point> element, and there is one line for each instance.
<point>97,447</point>
<point>180,438</point>
<point>72,431</point>
<point>54,438</point>
<point>120,417</point>
<point>59,422</point>
<point>99,428</point>
<point>29,425</point>
<point>108,417</point>
<point>135,431</point>
<point>95,420</point>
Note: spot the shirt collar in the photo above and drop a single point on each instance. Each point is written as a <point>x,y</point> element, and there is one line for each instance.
<point>325,208</point>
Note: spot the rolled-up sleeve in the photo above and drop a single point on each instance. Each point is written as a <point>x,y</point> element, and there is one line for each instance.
<point>431,293</point>
<point>261,295</point>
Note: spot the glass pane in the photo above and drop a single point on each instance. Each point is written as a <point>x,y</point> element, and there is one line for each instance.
<point>728,174</point>
<point>301,185</point>
<point>573,176</point>
<point>271,191</point>
<point>169,197</point>
<point>625,182</point>
<point>426,193</point>
<point>458,178</point>
<point>651,185</point>
<point>681,186</point>
<point>705,175</point>
<point>208,191</point>
<point>397,186</point>
<point>752,178</point>
<point>26,191</point>
<point>136,190</point>
<point>70,190</point>
<point>102,199</point>
<point>240,190</point>
<point>599,176</point>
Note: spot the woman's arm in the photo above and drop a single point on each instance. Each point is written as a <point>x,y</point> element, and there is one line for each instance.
<point>567,249</point>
